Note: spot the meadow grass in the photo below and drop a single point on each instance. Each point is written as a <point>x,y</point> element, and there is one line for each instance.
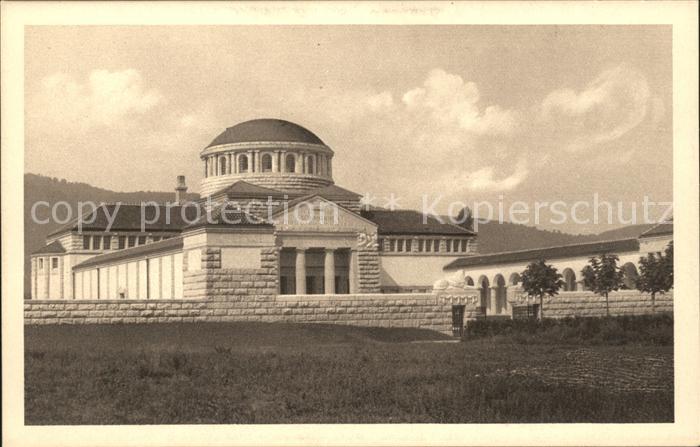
<point>287,373</point>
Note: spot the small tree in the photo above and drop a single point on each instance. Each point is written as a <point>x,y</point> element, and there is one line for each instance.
<point>656,273</point>
<point>602,275</point>
<point>540,279</point>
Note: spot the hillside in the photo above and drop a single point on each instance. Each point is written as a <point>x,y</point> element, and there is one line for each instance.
<point>493,237</point>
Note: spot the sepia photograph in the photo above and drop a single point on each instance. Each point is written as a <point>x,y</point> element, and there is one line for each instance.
<point>304,224</point>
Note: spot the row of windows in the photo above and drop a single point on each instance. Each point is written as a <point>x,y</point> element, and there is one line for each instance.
<point>54,264</point>
<point>309,165</point>
<point>396,245</point>
<point>105,242</point>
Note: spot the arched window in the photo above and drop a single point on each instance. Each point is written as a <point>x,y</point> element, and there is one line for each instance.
<point>514,279</point>
<point>222,166</point>
<point>569,280</point>
<point>310,164</point>
<point>630,276</point>
<point>266,163</point>
<point>242,163</point>
<point>469,281</point>
<point>289,163</point>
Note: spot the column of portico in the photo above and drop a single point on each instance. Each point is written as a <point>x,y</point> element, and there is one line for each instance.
<point>300,271</point>
<point>250,161</point>
<point>230,163</point>
<point>47,274</point>
<point>329,272</point>
<point>352,272</point>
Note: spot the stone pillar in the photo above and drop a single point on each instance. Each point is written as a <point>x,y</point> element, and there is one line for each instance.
<point>258,165</point>
<point>352,272</point>
<point>329,272</point>
<point>580,285</point>
<point>493,300</point>
<point>300,271</point>
<point>330,166</point>
<point>47,275</point>
<point>60,278</point>
<point>230,163</point>
<point>299,166</point>
<point>283,161</point>
<point>275,161</point>
<point>250,161</point>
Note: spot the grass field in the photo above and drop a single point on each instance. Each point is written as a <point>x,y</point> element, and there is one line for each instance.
<point>285,373</point>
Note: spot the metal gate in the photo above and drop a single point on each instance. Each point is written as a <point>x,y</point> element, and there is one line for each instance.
<point>457,320</point>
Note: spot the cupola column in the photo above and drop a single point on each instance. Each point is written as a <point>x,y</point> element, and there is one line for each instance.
<point>275,161</point>
<point>299,167</point>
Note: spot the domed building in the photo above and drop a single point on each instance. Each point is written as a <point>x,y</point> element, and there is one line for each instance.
<point>267,152</point>
<point>270,221</point>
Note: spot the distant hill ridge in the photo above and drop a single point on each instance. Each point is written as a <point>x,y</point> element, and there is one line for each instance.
<point>493,237</point>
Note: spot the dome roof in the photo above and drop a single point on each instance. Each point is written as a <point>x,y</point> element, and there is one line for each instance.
<point>266,130</point>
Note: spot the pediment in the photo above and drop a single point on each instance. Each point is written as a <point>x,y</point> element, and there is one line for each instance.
<point>317,214</point>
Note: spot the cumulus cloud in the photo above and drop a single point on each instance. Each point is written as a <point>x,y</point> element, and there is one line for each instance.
<point>103,99</point>
<point>611,105</point>
<point>451,100</point>
<point>485,179</point>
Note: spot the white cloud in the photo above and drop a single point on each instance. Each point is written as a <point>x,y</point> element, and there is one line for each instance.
<point>104,98</point>
<point>611,105</point>
<point>484,179</point>
<point>451,100</point>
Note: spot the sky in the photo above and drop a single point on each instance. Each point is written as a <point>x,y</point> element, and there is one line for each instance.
<point>433,115</point>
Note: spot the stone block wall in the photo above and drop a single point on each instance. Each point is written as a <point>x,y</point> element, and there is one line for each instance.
<point>401,310</point>
<point>368,269</point>
<point>213,282</point>
<point>588,304</point>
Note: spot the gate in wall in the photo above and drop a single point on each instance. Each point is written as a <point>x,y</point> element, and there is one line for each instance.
<point>458,320</point>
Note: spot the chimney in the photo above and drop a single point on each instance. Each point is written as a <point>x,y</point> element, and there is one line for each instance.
<point>180,189</point>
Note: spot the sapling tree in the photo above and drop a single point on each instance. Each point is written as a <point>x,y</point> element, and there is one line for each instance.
<point>656,273</point>
<point>602,275</point>
<point>540,279</point>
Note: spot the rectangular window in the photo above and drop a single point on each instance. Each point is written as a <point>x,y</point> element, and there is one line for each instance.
<point>428,245</point>
<point>448,245</point>
<point>132,241</point>
<point>122,242</point>
<point>420,245</point>
<point>54,263</point>
<point>107,242</point>
<point>156,238</point>
<point>392,245</point>
<point>436,245</point>
<point>142,240</point>
<point>41,263</point>
<point>464,245</point>
<point>409,243</point>
<point>380,244</point>
<point>86,242</point>
<point>455,245</point>
<point>96,242</point>
<point>399,245</point>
